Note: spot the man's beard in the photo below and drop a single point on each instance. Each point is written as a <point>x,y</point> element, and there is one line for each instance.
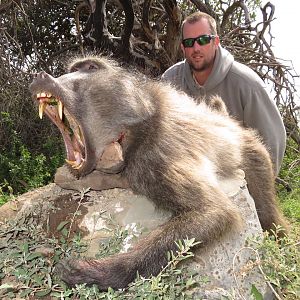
<point>207,64</point>
<point>202,68</point>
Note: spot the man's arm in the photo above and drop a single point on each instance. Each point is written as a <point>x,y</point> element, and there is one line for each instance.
<point>260,112</point>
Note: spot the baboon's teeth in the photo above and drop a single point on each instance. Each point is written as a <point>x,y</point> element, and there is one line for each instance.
<point>78,162</point>
<point>42,107</point>
<point>60,108</point>
<point>74,164</point>
<point>71,162</point>
<point>77,166</point>
<point>43,95</point>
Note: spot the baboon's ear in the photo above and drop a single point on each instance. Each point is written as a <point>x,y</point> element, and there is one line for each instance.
<point>216,103</point>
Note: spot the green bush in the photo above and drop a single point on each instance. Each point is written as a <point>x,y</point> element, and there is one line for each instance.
<point>29,273</point>
<point>280,263</point>
<point>29,255</point>
<point>21,169</point>
<point>289,195</point>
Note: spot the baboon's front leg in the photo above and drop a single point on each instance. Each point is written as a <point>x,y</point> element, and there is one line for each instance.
<point>149,256</point>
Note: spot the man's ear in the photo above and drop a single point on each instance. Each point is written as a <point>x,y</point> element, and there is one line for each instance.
<point>182,49</point>
<point>217,41</point>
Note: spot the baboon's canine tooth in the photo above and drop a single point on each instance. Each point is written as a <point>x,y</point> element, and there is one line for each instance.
<point>74,164</point>
<point>38,95</point>
<point>77,166</point>
<point>60,108</point>
<point>43,95</point>
<point>42,107</point>
<point>71,162</point>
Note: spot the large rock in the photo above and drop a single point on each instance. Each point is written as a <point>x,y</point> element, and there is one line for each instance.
<point>229,262</point>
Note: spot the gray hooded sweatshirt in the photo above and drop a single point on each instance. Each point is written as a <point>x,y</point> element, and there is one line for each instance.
<point>244,94</point>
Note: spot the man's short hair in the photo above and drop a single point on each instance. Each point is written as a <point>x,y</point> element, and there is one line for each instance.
<point>197,16</point>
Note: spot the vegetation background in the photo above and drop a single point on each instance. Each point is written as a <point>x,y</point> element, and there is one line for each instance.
<point>141,34</point>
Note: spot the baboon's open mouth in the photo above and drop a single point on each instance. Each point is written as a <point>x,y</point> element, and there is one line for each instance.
<point>53,107</point>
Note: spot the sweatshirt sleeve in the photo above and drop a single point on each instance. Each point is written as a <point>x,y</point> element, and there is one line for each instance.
<point>172,75</point>
<point>166,76</point>
<point>175,75</point>
<point>260,112</point>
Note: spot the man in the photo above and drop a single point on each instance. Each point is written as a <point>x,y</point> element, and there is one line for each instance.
<point>209,69</point>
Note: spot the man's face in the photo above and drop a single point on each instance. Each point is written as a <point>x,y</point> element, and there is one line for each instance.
<point>200,58</point>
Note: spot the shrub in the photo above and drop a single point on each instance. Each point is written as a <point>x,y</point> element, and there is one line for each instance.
<point>22,169</point>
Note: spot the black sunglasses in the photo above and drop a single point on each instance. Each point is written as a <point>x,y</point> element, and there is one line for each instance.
<point>201,40</point>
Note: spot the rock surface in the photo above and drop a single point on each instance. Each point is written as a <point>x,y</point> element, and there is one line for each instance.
<point>229,262</point>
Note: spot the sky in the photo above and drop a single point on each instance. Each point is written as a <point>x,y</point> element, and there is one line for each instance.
<point>285,28</point>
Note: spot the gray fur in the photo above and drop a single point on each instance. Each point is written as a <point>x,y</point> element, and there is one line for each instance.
<point>175,152</point>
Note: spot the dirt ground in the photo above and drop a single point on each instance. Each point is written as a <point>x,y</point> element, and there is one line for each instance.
<point>64,209</point>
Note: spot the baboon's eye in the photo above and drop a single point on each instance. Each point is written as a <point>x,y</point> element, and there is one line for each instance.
<point>73,70</point>
<point>92,67</point>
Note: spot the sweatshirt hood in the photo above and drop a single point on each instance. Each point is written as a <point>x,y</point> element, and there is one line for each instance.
<point>222,65</point>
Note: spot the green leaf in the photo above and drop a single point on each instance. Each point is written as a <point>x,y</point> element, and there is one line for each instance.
<point>25,247</point>
<point>62,225</point>
<point>25,293</point>
<point>6,286</point>
<point>190,282</point>
<point>255,293</point>
<point>64,232</point>
<point>37,279</point>
<point>33,256</point>
<point>43,293</point>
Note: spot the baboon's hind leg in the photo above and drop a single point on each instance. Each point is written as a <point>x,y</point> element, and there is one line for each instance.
<point>261,185</point>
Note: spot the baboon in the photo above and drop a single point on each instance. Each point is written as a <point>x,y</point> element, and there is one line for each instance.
<point>175,153</point>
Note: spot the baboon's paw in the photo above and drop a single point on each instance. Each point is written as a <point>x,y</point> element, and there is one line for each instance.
<point>77,271</point>
<point>104,273</point>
